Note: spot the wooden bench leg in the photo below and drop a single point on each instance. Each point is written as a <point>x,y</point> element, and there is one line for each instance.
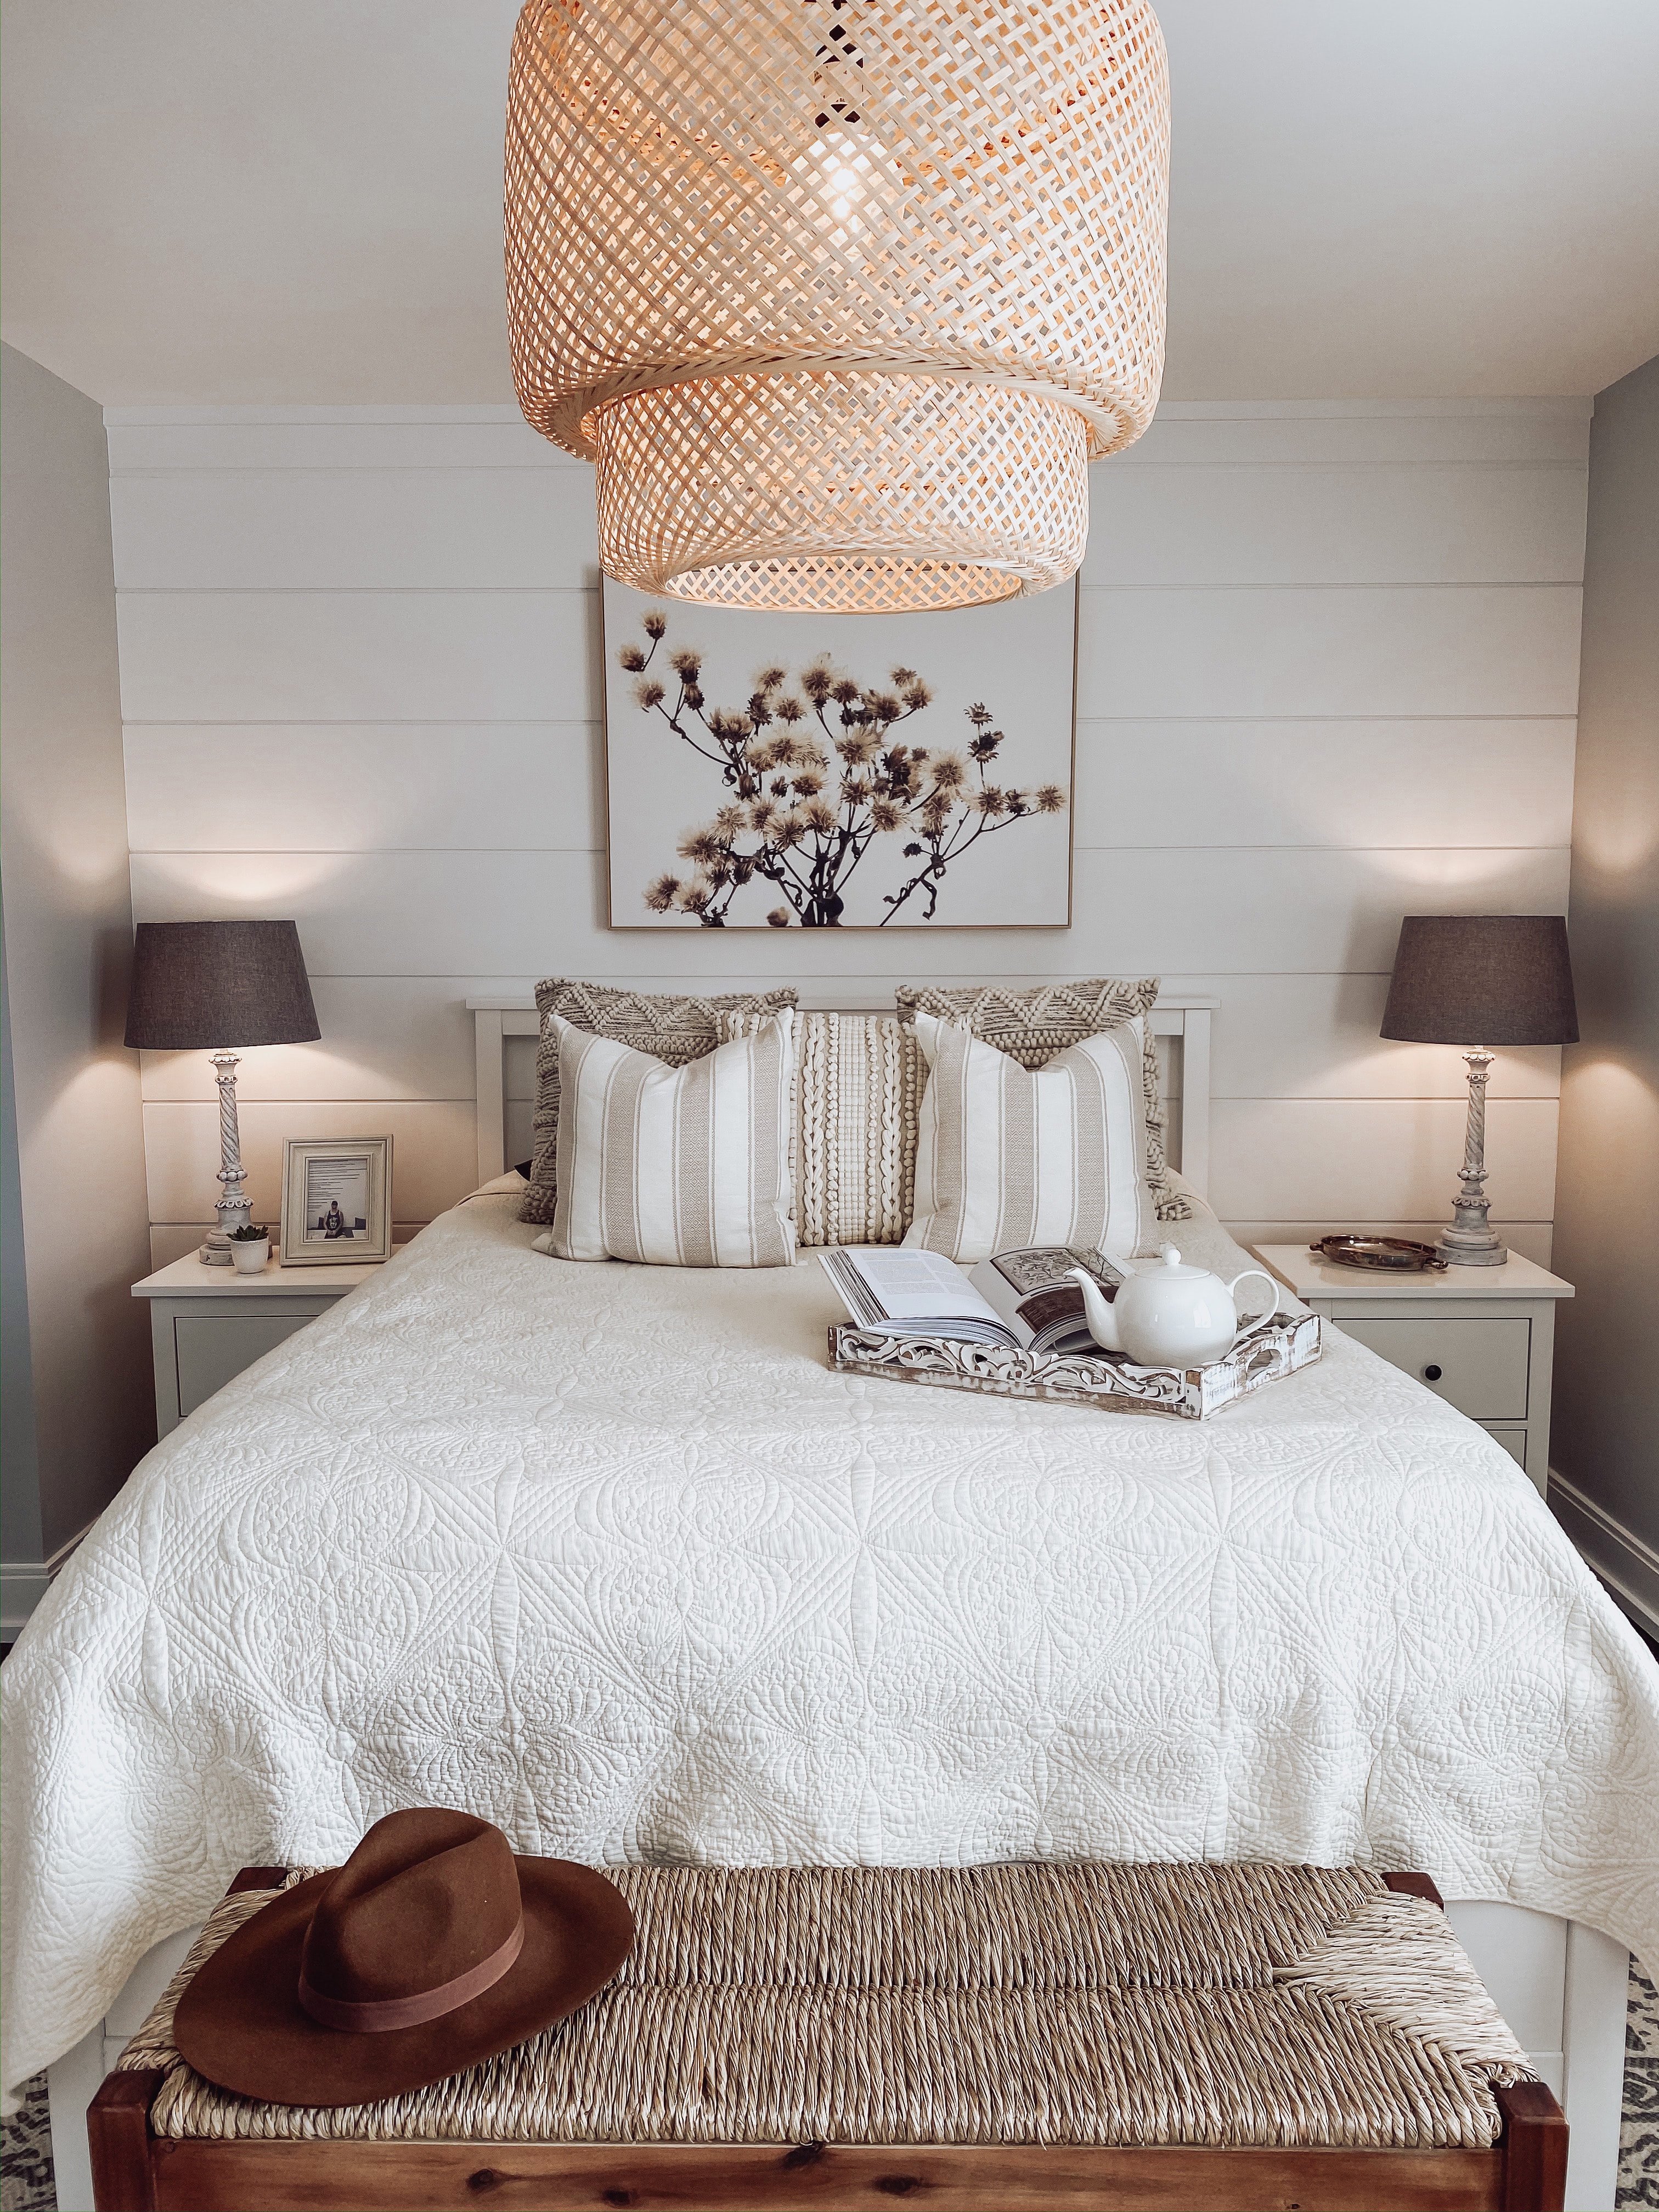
<point>118,2134</point>
<point>1535,2148</point>
<point>1534,2126</point>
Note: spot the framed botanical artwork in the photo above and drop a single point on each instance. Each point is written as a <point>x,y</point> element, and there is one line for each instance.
<point>839,771</point>
<point>337,1200</point>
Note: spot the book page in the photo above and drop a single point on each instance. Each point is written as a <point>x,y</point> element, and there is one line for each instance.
<point>919,1286</point>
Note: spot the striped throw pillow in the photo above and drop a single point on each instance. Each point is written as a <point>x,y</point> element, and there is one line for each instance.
<point>1034,1022</point>
<point>678,1167</point>
<point>675,1029</point>
<point>1009,1156</point>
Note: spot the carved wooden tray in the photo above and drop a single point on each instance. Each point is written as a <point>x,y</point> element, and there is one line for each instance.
<point>1275,1346</point>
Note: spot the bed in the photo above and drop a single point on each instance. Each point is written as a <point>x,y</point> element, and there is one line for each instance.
<point>610,1556</point>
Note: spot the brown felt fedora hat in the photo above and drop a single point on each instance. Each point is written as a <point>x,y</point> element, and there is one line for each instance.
<point>430,1949</point>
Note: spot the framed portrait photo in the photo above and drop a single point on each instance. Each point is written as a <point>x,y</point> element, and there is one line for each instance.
<point>337,1200</point>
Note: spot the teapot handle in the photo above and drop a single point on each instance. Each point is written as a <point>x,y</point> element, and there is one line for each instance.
<point>1244,1276</point>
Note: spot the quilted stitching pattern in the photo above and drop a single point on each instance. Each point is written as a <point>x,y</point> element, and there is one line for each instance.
<point>609,1555</point>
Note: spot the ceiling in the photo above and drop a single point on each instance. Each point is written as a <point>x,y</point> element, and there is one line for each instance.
<point>299,201</point>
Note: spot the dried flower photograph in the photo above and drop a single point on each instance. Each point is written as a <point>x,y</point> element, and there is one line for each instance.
<point>769,771</point>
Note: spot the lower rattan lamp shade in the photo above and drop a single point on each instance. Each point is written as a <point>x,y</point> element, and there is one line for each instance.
<point>212,985</point>
<point>1477,980</point>
<point>842,299</point>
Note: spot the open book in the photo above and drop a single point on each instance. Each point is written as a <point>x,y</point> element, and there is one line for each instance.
<point>1019,1299</point>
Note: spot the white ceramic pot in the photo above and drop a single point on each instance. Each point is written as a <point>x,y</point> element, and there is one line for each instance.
<point>1170,1315</point>
<point>248,1258</point>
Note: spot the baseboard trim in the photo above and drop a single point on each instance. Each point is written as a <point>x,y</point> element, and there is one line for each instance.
<point>22,1586</point>
<point>24,1583</point>
<point>1628,1566</point>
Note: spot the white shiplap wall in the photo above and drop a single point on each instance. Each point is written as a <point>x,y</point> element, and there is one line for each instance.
<point>1329,668</point>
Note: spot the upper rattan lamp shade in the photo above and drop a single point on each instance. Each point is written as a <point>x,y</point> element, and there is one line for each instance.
<point>1482,979</point>
<point>841,298</point>
<point>218,986</point>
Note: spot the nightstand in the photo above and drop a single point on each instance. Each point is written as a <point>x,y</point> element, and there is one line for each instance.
<point>1480,1338</point>
<point>209,1323</point>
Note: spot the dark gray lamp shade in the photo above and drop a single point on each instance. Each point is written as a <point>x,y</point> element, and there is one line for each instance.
<point>1482,979</point>
<point>218,986</point>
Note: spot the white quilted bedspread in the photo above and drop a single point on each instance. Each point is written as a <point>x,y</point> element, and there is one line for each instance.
<point>608,1555</point>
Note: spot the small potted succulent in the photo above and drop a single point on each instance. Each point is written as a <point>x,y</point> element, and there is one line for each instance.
<point>249,1247</point>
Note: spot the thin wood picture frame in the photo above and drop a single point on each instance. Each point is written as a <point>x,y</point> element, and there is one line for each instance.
<point>649,810</point>
<point>336,1201</point>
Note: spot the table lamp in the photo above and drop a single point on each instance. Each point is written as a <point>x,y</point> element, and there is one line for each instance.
<point>212,985</point>
<point>1503,979</point>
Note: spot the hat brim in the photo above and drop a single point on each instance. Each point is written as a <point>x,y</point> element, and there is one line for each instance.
<point>241,2023</point>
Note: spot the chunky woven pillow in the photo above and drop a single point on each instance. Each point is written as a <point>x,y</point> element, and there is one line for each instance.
<point>858,1080</point>
<point>677,1167</point>
<point>1009,1156</point>
<point>674,1030</point>
<point>1032,1026</point>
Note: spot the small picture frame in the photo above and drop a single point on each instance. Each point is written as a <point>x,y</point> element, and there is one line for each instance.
<point>337,1200</point>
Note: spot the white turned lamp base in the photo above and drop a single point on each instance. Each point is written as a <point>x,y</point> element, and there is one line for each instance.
<point>1472,1242</point>
<point>233,1209</point>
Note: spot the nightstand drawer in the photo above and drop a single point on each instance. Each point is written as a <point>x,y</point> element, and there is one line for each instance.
<point>1482,1363</point>
<point>211,1348</point>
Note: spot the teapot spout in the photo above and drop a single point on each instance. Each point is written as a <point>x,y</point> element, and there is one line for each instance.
<point>1103,1322</point>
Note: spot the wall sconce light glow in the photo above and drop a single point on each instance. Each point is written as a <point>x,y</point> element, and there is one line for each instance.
<point>842,299</point>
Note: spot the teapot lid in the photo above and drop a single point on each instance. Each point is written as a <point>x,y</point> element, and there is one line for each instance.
<point>1172,1262</point>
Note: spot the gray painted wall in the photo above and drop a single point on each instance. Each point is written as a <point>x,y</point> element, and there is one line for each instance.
<point>20,1465</point>
<point>68,933</point>
<point>1604,1437</point>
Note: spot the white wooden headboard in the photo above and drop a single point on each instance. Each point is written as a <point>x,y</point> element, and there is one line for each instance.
<point>1184,1022</point>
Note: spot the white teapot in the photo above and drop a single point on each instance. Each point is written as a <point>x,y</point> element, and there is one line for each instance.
<point>1172,1315</point>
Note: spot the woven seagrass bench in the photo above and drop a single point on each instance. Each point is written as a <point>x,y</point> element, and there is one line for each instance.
<point>1030,2036</point>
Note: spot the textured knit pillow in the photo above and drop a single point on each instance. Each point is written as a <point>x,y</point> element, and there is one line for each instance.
<point>679,1167</point>
<point>858,1078</point>
<point>672,1030</point>
<point>1032,1026</point>
<point>1009,1156</point>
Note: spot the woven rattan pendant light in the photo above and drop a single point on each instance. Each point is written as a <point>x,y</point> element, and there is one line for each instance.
<point>841,295</point>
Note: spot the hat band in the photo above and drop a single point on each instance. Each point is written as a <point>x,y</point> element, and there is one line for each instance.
<point>379,2015</point>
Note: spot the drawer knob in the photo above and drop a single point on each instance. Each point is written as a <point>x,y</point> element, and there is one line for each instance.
<point>1432,1373</point>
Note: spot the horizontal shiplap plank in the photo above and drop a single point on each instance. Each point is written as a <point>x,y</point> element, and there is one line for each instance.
<point>434,1158</point>
<point>1508,650</point>
<point>1267,526</point>
<point>1295,440</point>
<point>1290,1036</point>
<point>1135,913</point>
<point>363,787</point>
<point>1361,783</point>
<point>206,787</point>
<point>1315,1037</point>
<point>385,529</point>
<point>358,656</point>
<point>533,656</point>
<point>1297,435</point>
<point>1531,1239</point>
<point>452,444</point>
<point>473,528</point>
<point>1374,1158</point>
<point>383,1036</point>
